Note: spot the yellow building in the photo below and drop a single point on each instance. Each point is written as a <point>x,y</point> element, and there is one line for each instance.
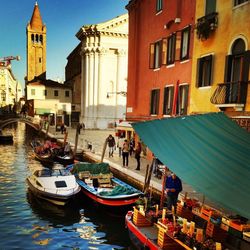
<point>220,71</point>
<point>36,46</point>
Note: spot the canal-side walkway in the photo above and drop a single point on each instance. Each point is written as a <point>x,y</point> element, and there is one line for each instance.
<point>96,138</point>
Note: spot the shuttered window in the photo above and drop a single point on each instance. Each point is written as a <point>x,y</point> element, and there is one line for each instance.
<point>204,71</point>
<point>155,55</point>
<point>158,5</point>
<point>185,38</point>
<point>182,100</point>
<point>168,100</point>
<point>171,49</point>
<point>154,103</point>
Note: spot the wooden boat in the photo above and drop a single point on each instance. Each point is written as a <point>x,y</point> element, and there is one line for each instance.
<point>44,156</point>
<point>64,159</point>
<point>146,235</point>
<point>55,185</point>
<point>98,183</point>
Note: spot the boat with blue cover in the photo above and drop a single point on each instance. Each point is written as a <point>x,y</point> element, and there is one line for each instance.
<point>98,183</point>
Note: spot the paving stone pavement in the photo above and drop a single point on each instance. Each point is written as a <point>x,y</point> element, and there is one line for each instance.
<point>97,138</point>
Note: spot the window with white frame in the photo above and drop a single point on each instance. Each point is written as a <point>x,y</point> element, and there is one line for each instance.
<point>204,71</point>
<point>154,103</point>
<point>185,38</point>
<point>155,55</point>
<point>158,5</point>
<point>168,100</point>
<point>182,100</point>
<point>171,49</point>
<point>33,92</point>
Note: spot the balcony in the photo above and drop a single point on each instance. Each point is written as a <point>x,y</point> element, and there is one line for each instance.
<point>206,25</point>
<point>230,94</point>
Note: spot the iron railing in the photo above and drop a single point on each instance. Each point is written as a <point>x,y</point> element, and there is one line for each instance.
<point>230,93</point>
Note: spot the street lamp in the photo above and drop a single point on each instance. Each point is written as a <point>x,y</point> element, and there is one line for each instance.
<point>123,93</point>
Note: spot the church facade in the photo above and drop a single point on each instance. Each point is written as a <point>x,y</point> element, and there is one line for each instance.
<point>104,48</point>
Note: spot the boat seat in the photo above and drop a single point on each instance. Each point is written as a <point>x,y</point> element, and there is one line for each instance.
<point>105,181</point>
<point>84,175</point>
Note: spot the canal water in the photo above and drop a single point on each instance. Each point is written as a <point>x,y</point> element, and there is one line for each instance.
<point>29,223</point>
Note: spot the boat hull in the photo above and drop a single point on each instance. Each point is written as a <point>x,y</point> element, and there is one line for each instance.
<point>44,159</point>
<point>112,202</point>
<point>139,239</point>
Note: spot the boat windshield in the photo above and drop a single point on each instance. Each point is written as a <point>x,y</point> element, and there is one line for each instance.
<point>52,172</point>
<point>62,172</point>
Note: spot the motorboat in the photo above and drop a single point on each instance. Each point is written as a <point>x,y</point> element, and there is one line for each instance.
<point>6,138</point>
<point>98,183</point>
<point>55,185</point>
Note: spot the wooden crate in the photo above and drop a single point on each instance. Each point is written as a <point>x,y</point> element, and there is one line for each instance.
<point>215,232</point>
<point>184,212</point>
<point>165,242</point>
<point>140,220</point>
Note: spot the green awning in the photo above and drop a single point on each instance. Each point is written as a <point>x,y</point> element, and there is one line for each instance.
<point>42,111</point>
<point>209,152</point>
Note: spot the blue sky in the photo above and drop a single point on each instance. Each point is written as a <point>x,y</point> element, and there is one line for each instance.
<point>63,18</point>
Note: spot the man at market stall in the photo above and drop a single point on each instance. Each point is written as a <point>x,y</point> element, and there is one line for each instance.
<point>173,188</point>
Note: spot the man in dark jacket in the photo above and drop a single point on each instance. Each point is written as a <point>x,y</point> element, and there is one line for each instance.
<point>111,145</point>
<point>173,188</point>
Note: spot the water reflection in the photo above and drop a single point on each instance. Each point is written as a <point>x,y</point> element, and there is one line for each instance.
<point>55,215</point>
<point>30,223</point>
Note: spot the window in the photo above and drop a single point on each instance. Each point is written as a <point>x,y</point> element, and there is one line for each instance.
<point>55,92</point>
<point>32,38</point>
<point>154,104</point>
<point>155,55</point>
<point>3,96</point>
<point>40,59</point>
<point>236,73</point>
<point>204,71</point>
<point>210,6</point>
<point>182,100</point>
<point>168,100</point>
<point>185,37</point>
<point>33,91</point>
<point>45,92</point>
<point>171,49</point>
<point>66,93</point>
<point>238,2</point>
<point>158,5</point>
<point>41,39</point>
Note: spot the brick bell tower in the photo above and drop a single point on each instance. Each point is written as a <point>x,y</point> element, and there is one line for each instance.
<point>36,47</point>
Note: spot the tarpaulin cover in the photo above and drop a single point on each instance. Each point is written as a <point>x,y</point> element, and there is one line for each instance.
<point>210,152</point>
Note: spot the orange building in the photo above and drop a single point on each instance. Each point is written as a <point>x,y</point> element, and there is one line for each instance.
<point>159,66</point>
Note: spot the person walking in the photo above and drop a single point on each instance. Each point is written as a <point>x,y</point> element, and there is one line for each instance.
<point>111,145</point>
<point>173,188</point>
<point>125,153</point>
<point>138,155</point>
<point>120,145</point>
<point>131,146</point>
<point>62,128</point>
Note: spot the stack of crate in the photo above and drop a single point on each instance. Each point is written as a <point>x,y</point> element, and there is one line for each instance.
<point>165,242</point>
<point>184,212</point>
<point>139,219</point>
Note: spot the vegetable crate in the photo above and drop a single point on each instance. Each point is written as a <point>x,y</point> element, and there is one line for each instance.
<point>140,220</point>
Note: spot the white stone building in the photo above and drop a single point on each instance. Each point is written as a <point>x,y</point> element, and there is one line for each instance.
<point>104,48</point>
<point>10,88</point>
